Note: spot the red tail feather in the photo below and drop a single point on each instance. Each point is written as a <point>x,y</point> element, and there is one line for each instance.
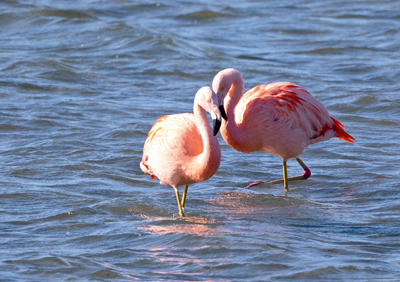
<point>341,134</point>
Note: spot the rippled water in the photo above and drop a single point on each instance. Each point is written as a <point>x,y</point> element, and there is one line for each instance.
<point>82,82</point>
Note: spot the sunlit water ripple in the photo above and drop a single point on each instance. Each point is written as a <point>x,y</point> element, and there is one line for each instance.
<point>82,83</point>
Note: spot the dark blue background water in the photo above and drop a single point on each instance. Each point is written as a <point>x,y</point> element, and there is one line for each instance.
<point>81,83</point>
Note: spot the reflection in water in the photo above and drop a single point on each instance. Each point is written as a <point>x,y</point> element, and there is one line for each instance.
<point>201,226</point>
<point>236,203</point>
<point>350,192</point>
<point>243,203</point>
<point>233,206</point>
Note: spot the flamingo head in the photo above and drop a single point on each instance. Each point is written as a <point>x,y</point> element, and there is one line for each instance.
<point>221,84</point>
<point>208,100</point>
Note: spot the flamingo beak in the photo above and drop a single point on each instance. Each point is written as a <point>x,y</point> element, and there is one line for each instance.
<point>217,119</point>
<point>222,110</point>
<point>216,125</point>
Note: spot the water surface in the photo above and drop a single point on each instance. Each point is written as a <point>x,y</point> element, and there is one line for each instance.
<point>81,83</point>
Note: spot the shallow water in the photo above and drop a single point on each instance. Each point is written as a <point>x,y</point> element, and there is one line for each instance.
<point>80,86</point>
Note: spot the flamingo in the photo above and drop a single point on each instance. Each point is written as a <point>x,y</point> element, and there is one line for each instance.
<point>182,149</point>
<point>279,118</point>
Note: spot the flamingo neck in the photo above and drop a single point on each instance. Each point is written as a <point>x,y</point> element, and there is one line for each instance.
<point>233,97</point>
<point>233,134</point>
<point>207,163</point>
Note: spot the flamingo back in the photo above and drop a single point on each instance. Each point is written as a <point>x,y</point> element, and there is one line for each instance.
<point>170,145</point>
<point>284,111</point>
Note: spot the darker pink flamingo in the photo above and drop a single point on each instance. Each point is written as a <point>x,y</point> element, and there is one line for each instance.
<point>278,118</point>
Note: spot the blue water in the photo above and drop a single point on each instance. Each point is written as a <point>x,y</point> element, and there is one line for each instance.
<point>81,83</point>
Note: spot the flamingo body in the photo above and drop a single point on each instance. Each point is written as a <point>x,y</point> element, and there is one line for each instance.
<point>282,118</point>
<point>181,149</point>
<point>279,118</point>
<point>172,151</point>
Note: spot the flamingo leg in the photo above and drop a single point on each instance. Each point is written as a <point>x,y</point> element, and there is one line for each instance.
<point>179,202</point>
<point>285,178</point>
<point>184,196</point>
<point>305,175</point>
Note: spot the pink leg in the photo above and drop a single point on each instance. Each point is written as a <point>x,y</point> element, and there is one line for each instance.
<point>305,175</point>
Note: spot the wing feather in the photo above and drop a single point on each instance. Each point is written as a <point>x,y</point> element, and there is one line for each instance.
<point>175,131</point>
<point>284,104</point>
<point>172,133</point>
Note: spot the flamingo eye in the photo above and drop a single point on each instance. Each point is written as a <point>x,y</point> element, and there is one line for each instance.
<point>208,100</point>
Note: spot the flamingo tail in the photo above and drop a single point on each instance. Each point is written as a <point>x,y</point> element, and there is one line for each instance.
<point>145,169</point>
<point>341,133</point>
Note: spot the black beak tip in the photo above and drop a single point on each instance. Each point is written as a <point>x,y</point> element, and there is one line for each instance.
<point>223,114</point>
<point>217,125</point>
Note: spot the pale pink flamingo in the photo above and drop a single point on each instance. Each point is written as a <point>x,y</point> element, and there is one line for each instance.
<point>182,149</point>
<point>279,118</point>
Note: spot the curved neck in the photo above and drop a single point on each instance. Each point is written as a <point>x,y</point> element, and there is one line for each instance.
<point>233,97</point>
<point>232,133</point>
<point>208,161</point>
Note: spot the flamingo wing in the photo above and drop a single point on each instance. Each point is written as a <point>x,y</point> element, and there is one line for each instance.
<point>170,140</point>
<point>283,104</point>
<point>175,132</point>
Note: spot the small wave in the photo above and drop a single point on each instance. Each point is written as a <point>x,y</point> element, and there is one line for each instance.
<point>26,172</point>
<point>10,127</point>
<point>63,14</point>
<point>205,15</point>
